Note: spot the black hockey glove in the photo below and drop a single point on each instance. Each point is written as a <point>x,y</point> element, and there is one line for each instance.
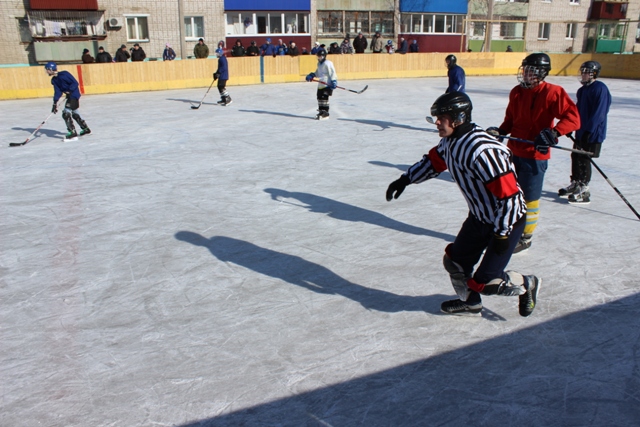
<point>499,244</point>
<point>547,138</point>
<point>215,76</point>
<point>396,188</point>
<point>54,109</point>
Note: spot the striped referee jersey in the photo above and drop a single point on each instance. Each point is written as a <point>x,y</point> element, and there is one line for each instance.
<point>482,168</point>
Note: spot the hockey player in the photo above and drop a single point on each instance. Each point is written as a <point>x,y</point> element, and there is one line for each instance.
<point>64,82</point>
<point>533,107</point>
<point>222,75</point>
<point>325,72</point>
<point>593,104</point>
<point>456,75</point>
<point>483,169</point>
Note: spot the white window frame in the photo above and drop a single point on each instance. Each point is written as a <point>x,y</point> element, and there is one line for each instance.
<point>251,18</point>
<point>137,26</point>
<point>450,19</point>
<point>572,30</point>
<point>192,36</point>
<point>574,2</point>
<point>544,29</point>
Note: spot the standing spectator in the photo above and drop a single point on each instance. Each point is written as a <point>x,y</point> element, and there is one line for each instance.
<point>122,55</point>
<point>484,171</point>
<point>281,47</point>
<point>345,47</point>
<point>315,48</point>
<point>201,50</point>
<point>268,49</point>
<point>456,75</point>
<point>537,111</point>
<point>509,49</point>
<point>293,49</point>
<point>137,54</point>
<point>222,75</point>
<point>253,50</point>
<point>413,47</point>
<point>86,57</point>
<point>238,50</point>
<point>360,43</point>
<point>389,47</point>
<point>334,49</point>
<point>304,51</point>
<point>404,46</point>
<point>593,105</point>
<point>377,44</point>
<point>325,72</point>
<point>221,45</point>
<point>64,83</point>
<point>169,54</point>
<point>103,57</point>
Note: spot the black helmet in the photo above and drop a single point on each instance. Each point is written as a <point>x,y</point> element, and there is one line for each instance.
<point>451,60</point>
<point>591,67</point>
<point>321,54</point>
<point>456,104</point>
<point>536,65</point>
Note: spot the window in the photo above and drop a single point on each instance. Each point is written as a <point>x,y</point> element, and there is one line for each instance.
<point>572,30</point>
<point>608,7</point>
<point>382,21</point>
<point>65,24</point>
<point>544,28</point>
<point>574,2</point>
<point>330,22</point>
<point>193,27</point>
<point>356,22</point>
<point>512,30</point>
<point>266,23</point>
<point>430,23</point>
<point>137,28</point>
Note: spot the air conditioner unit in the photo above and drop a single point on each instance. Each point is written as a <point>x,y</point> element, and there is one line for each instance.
<point>115,22</point>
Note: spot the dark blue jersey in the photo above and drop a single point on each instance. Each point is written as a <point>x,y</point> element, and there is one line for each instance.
<point>64,82</point>
<point>593,104</point>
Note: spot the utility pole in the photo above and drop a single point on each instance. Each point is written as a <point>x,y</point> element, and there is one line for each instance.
<point>183,44</point>
<point>489,27</point>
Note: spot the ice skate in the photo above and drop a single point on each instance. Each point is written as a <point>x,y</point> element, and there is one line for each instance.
<point>523,244</point>
<point>85,131</point>
<point>528,300</point>
<point>322,115</point>
<point>581,197</point>
<point>227,100</point>
<point>458,307</point>
<point>572,188</point>
<point>72,135</point>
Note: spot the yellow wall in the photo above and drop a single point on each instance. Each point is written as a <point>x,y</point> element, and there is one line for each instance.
<point>33,82</point>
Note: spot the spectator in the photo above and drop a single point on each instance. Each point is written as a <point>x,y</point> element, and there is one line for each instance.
<point>413,47</point>
<point>316,48</point>
<point>103,57</point>
<point>86,57</point>
<point>238,49</point>
<point>360,43</point>
<point>377,43</point>
<point>201,50</point>
<point>281,47</point>
<point>404,46</point>
<point>389,46</point>
<point>334,48</point>
<point>122,55</point>
<point>169,54</point>
<point>509,49</point>
<point>137,54</point>
<point>293,49</point>
<point>268,49</point>
<point>304,51</point>
<point>345,47</point>
<point>456,75</point>
<point>253,50</point>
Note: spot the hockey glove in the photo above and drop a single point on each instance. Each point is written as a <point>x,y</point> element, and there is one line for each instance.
<point>333,84</point>
<point>496,131</point>
<point>396,188</point>
<point>54,109</point>
<point>215,76</point>
<point>310,77</point>
<point>547,138</point>
<point>499,244</point>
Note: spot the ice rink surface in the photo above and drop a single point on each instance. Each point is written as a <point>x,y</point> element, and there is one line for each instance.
<point>240,266</point>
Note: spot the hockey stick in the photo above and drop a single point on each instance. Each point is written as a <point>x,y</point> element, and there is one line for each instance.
<point>586,153</point>
<point>340,87</point>
<point>606,178</point>
<point>18,144</point>
<point>195,107</point>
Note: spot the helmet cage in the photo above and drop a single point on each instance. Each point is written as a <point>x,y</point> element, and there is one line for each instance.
<point>531,75</point>
<point>321,55</point>
<point>592,69</point>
